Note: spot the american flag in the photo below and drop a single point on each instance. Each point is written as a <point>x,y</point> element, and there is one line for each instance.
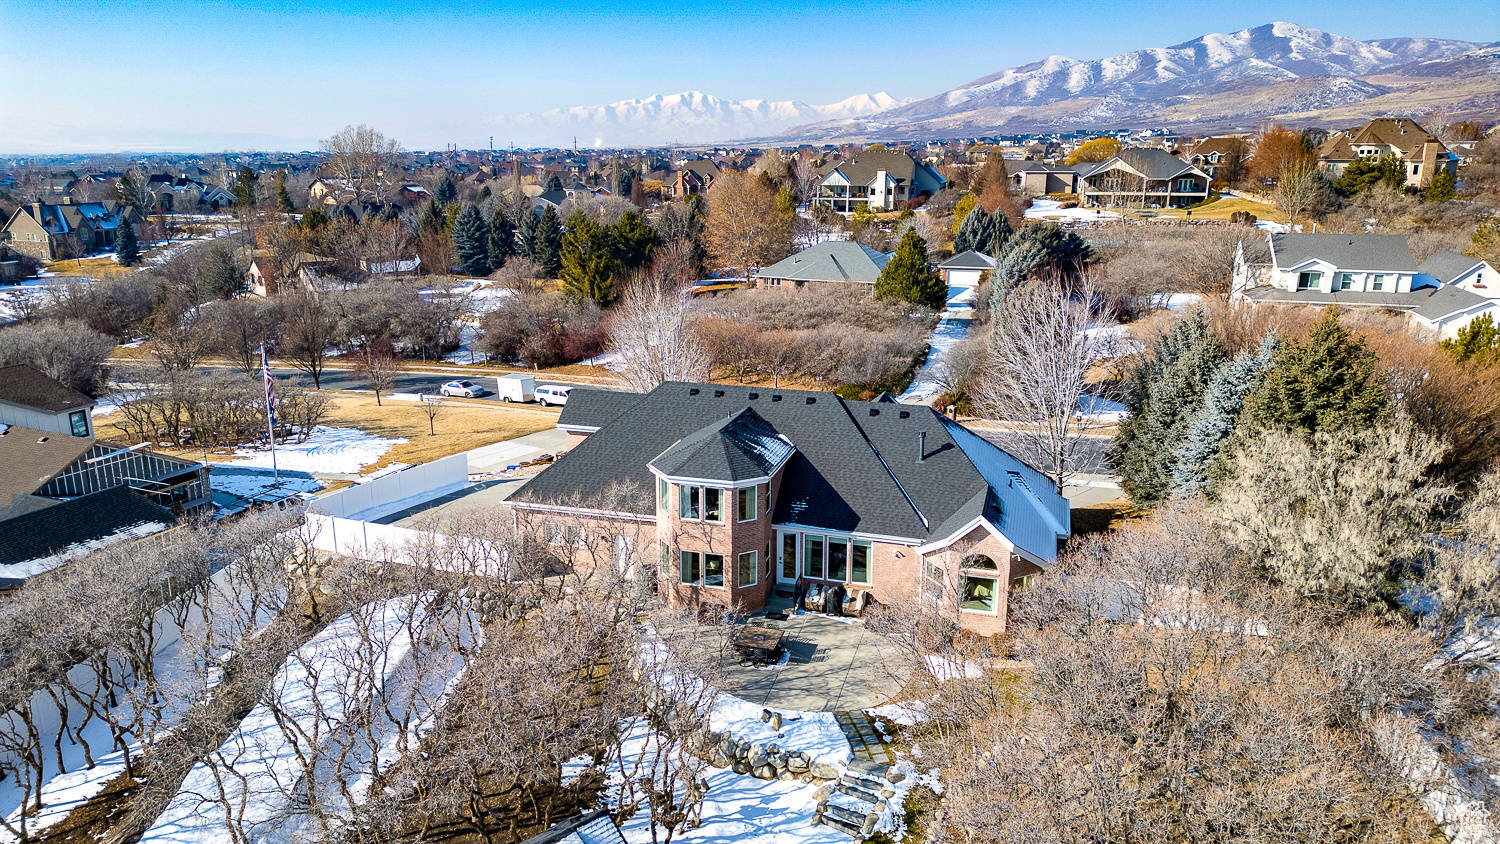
<point>270,387</point>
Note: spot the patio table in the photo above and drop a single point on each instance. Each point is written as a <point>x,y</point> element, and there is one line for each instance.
<point>757,644</point>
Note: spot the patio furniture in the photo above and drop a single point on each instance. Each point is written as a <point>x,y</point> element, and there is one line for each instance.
<point>760,645</point>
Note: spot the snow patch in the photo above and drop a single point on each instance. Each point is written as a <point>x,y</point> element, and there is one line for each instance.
<point>326,451</point>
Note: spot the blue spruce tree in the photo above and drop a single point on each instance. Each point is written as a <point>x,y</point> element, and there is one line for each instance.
<point>471,242</point>
<point>1209,429</point>
<point>975,232</point>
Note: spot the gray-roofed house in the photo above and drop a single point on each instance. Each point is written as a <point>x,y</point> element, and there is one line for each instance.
<point>29,398</point>
<point>829,262</point>
<point>1143,178</point>
<point>66,230</point>
<point>876,178</point>
<point>1040,178</point>
<point>723,494</point>
<point>1443,294</point>
<point>967,268</point>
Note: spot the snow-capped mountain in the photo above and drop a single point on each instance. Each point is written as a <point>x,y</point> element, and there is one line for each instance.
<point>689,117</point>
<point>1278,68</point>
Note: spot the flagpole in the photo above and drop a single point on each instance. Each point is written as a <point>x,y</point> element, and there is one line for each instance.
<point>265,368</point>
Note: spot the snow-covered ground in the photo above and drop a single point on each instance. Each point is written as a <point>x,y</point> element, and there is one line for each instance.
<point>815,733</point>
<point>1051,209</point>
<point>253,483</point>
<point>957,317</point>
<point>319,711</point>
<point>328,451</point>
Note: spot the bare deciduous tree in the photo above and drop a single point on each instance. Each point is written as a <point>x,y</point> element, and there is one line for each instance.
<point>743,228</point>
<point>1042,354</point>
<point>378,366</point>
<point>364,159</point>
<point>656,343</point>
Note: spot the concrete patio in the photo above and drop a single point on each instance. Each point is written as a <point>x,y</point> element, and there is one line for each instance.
<point>834,665</point>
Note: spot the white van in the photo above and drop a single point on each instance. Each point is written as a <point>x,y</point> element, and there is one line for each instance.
<point>552,394</point>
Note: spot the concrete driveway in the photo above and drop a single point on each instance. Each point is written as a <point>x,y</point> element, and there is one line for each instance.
<point>834,665</point>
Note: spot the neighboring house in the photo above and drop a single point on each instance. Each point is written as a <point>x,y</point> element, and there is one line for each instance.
<point>966,269</point>
<point>62,492</point>
<point>66,230</point>
<point>829,262</point>
<point>1143,178</point>
<point>1039,177</point>
<point>694,177</point>
<point>400,266</point>
<point>332,191</point>
<point>1422,153</point>
<point>1212,152</point>
<point>413,195</point>
<point>263,275</point>
<point>31,399</point>
<point>878,179</point>
<point>1443,294</point>
<point>737,491</point>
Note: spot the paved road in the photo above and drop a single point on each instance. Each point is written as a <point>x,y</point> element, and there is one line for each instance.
<point>406,382</point>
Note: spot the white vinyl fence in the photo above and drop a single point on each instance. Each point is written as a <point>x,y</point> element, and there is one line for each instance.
<point>396,491</point>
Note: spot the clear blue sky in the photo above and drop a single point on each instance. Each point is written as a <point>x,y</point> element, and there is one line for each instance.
<point>282,74</point>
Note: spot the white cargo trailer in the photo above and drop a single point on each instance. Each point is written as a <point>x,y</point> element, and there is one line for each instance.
<point>516,387</point>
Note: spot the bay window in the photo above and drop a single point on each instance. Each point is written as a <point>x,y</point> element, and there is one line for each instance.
<point>689,502</point>
<point>713,504</point>
<point>745,503</point>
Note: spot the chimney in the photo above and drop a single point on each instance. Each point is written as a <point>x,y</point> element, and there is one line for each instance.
<point>921,446</point>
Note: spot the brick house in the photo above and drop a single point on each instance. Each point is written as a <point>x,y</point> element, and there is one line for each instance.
<point>722,494</point>
<point>694,176</point>
<point>50,232</point>
<point>1422,154</point>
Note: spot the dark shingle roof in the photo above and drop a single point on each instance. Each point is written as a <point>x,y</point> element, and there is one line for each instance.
<point>742,447</point>
<point>589,407</point>
<point>27,385</point>
<point>72,525</point>
<point>1154,164</point>
<point>1427,302</point>
<point>1345,251</point>
<point>29,457</point>
<point>855,468</point>
<point>1446,266</point>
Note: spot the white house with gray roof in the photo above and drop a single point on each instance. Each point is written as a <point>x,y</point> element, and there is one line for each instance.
<point>830,262</point>
<point>1442,294</point>
<point>966,269</point>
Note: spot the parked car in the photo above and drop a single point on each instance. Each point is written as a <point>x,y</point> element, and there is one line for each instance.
<point>464,389</point>
<point>516,387</point>
<point>552,394</point>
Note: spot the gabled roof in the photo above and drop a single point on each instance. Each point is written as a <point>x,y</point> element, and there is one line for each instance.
<point>1430,303</point>
<point>28,386</point>
<point>833,260</point>
<point>1154,164</point>
<point>1221,145</point>
<point>739,448</point>
<point>855,468</point>
<point>1343,251</point>
<point>30,457</point>
<point>702,167</point>
<point>863,168</point>
<point>1403,133</point>
<point>1445,266</point>
<point>968,260</point>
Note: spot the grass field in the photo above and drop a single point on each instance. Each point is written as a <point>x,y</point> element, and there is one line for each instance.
<point>87,267</point>
<point>460,426</point>
<point>1220,209</point>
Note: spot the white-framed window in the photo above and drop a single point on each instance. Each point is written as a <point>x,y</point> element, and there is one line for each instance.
<point>933,582</point>
<point>812,556</point>
<point>1377,282</point>
<point>662,496</point>
<point>980,594</point>
<point>747,569</point>
<point>1346,281</point>
<point>689,502</point>
<point>713,570</point>
<point>1309,281</point>
<point>860,553</point>
<point>745,503</point>
<point>690,568</point>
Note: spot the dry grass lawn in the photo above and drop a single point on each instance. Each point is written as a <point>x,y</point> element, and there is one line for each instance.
<point>1220,209</point>
<point>460,426</point>
<point>87,267</point>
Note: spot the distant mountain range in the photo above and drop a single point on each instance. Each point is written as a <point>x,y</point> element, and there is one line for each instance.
<point>1216,82</point>
<point>689,117</point>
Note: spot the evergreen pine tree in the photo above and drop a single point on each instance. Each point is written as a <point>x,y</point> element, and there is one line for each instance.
<point>1001,233</point>
<point>220,277</point>
<point>908,276</point>
<point>554,182</point>
<point>1148,370</point>
<point>1442,187</point>
<point>1148,466</point>
<point>1325,384</point>
<point>313,219</point>
<point>588,261</point>
<point>975,232</point>
<point>526,233</point>
<point>244,188</point>
<point>127,249</point>
<point>501,242</point>
<point>1015,264</point>
<point>1478,341</point>
<point>431,219</point>
<point>624,176</point>
<point>485,193</point>
<point>1209,429</point>
<point>633,241</point>
<point>546,243</point>
<point>283,199</point>
<point>446,191</point>
<point>471,242</point>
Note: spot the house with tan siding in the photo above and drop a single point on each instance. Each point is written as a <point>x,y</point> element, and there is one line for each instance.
<point>722,495</point>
